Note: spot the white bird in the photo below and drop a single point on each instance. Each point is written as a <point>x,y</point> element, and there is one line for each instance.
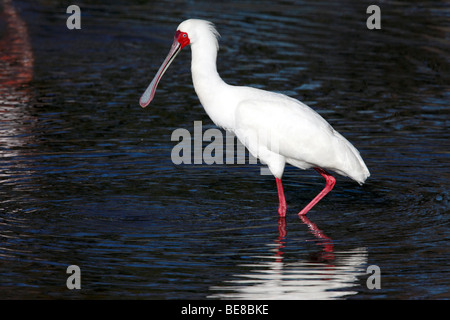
<point>275,128</point>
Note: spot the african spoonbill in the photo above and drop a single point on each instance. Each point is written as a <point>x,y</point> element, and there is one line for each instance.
<point>275,128</point>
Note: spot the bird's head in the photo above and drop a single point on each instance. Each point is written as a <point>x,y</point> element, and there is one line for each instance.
<point>188,32</point>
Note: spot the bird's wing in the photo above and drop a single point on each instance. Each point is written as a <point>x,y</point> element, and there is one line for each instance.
<point>284,125</point>
<point>288,127</point>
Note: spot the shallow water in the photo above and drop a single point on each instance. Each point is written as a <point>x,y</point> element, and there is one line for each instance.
<point>87,179</point>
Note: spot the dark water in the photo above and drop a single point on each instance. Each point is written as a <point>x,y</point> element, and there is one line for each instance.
<point>86,175</point>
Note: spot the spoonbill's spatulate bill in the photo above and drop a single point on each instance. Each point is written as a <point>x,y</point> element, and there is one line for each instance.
<point>274,127</point>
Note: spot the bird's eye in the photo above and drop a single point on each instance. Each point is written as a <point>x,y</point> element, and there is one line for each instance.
<point>184,35</point>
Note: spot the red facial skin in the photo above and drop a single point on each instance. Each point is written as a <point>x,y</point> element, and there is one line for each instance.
<point>182,38</point>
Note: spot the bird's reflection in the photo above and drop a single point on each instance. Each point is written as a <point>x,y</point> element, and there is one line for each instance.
<point>281,238</point>
<point>324,241</point>
<point>328,275</point>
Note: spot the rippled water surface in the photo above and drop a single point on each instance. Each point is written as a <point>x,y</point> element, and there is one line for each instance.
<point>86,176</point>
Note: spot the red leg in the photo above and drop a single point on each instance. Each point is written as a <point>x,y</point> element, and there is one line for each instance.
<point>282,206</point>
<point>330,184</point>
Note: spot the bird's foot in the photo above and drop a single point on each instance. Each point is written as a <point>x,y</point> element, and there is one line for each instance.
<point>282,210</point>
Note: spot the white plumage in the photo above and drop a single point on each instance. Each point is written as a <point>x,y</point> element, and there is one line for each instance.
<point>275,128</point>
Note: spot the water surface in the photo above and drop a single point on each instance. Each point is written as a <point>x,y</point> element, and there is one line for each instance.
<point>86,176</point>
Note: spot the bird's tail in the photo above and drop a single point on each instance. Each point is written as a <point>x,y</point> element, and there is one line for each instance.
<point>353,165</point>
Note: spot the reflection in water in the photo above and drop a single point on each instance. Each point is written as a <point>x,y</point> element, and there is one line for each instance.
<point>327,253</point>
<point>16,57</point>
<point>16,70</point>
<point>331,276</point>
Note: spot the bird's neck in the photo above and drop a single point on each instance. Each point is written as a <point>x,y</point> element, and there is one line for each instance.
<point>215,95</point>
<point>207,81</point>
